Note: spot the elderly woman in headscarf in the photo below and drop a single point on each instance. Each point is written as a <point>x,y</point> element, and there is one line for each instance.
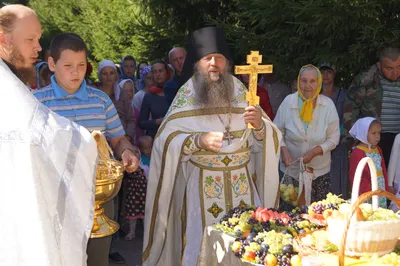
<point>310,127</point>
<point>108,76</point>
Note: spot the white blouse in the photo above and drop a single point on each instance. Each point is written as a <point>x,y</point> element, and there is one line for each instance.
<point>323,131</point>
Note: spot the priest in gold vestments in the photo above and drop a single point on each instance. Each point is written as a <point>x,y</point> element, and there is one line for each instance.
<point>205,160</point>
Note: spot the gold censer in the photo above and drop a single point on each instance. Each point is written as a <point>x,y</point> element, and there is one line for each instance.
<point>109,176</point>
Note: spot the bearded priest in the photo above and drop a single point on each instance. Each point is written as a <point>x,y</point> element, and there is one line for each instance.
<point>205,161</point>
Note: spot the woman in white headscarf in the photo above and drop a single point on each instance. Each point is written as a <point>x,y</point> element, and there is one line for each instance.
<point>108,77</point>
<point>367,132</point>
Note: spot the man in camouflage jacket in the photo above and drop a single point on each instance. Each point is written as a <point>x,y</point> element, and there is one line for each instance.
<point>365,96</point>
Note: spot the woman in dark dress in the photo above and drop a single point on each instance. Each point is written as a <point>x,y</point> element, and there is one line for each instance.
<point>155,105</point>
<point>340,161</point>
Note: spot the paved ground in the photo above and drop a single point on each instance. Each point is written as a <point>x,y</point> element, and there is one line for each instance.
<point>130,250</point>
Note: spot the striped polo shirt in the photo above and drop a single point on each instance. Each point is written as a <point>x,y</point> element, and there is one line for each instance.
<point>88,107</point>
<point>390,115</point>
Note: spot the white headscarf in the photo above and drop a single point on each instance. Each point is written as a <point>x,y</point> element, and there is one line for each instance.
<point>108,63</point>
<point>122,83</point>
<point>360,129</point>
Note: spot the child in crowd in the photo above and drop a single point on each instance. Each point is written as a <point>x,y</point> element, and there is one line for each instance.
<point>145,145</point>
<point>136,187</point>
<point>128,86</point>
<point>367,131</point>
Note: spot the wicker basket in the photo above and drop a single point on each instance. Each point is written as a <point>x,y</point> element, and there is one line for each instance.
<point>366,237</point>
<point>389,230</point>
<point>306,250</point>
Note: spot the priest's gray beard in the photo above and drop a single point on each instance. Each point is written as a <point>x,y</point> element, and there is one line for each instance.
<point>213,94</point>
<point>17,61</point>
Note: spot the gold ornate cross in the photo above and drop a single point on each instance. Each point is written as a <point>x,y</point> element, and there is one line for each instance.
<point>253,69</point>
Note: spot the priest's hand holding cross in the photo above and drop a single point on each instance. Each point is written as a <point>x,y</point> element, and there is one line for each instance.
<point>253,114</point>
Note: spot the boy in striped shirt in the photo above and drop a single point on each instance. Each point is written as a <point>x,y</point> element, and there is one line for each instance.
<point>68,95</point>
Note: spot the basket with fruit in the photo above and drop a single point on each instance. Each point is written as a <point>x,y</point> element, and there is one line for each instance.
<point>314,243</point>
<point>373,230</point>
<point>318,212</point>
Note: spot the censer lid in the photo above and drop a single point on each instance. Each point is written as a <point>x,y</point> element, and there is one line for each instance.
<point>108,170</point>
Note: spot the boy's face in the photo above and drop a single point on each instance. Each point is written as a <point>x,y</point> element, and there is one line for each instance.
<point>70,69</point>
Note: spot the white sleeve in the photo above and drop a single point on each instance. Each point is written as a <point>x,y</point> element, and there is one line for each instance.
<point>279,120</point>
<point>394,161</point>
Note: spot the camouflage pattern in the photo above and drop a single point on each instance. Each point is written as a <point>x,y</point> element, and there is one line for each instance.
<point>364,98</point>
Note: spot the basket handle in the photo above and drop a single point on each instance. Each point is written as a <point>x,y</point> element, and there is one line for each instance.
<point>363,197</point>
<point>357,181</point>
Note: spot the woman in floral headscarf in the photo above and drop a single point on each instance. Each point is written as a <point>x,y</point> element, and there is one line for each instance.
<point>310,127</point>
<point>146,82</point>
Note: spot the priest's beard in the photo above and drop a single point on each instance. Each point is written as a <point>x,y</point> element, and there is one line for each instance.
<point>18,66</point>
<point>213,94</point>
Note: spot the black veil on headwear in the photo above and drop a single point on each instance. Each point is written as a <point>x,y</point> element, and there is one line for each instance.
<point>202,42</point>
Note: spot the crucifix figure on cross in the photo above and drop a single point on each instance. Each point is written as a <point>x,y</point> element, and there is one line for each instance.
<point>228,135</point>
<point>253,69</point>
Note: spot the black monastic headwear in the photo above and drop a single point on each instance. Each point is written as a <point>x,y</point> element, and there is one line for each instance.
<point>202,42</point>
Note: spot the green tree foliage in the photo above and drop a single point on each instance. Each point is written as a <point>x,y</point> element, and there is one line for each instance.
<point>288,33</point>
<point>107,26</point>
<point>147,29</point>
<point>168,23</point>
<point>291,33</point>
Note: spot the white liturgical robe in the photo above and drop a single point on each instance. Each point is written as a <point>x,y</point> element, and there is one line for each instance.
<point>189,189</point>
<point>47,169</point>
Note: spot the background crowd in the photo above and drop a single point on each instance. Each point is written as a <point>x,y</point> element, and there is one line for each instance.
<point>319,142</point>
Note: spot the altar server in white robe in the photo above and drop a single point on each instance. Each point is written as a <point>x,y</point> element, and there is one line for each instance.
<point>47,163</point>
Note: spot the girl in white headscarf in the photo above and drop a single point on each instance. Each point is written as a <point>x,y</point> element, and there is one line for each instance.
<point>128,86</point>
<point>367,131</point>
